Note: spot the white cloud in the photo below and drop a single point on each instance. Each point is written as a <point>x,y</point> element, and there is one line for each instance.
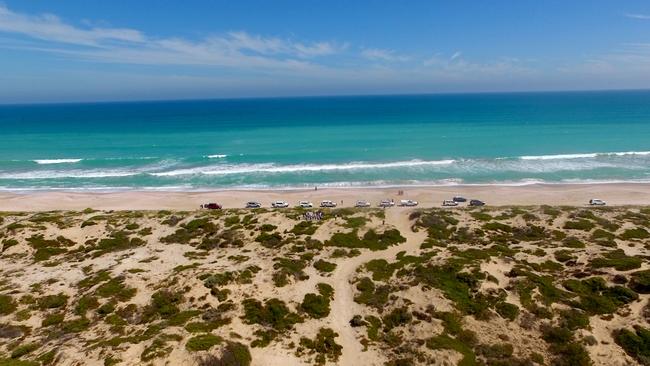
<point>383,55</point>
<point>49,27</point>
<point>106,44</point>
<point>638,16</point>
<point>459,68</point>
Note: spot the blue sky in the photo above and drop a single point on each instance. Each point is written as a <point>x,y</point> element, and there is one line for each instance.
<point>79,50</point>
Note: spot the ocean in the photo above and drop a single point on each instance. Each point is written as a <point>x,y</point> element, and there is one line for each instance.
<point>501,138</point>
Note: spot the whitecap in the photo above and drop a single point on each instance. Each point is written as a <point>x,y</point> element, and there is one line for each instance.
<point>56,161</point>
<point>271,168</point>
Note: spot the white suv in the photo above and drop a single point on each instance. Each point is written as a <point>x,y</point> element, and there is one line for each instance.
<point>408,203</point>
<point>279,204</point>
<point>327,203</point>
<point>597,202</point>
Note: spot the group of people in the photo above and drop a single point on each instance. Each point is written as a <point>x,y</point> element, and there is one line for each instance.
<point>313,216</point>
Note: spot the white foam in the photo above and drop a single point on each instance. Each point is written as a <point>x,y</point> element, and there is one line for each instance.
<point>217,156</point>
<point>583,156</point>
<point>55,174</point>
<point>271,168</point>
<point>56,161</point>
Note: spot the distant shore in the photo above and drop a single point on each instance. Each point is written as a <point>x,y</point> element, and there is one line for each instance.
<point>538,194</point>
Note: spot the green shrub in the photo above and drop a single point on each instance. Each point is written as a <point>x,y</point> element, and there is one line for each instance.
<point>584,225</point>
<point>355,222</point>
<point>8,243</point>
<point>52,319</point>
<point>267,227</point>
<point>7,304</point>
<point>233,354</point>
<point>76,326</point>
<point>164,304</point>
<point>636,233</point>
<point>324,345</point>
<point>640,282</point>
<point>304,228</point>
<point>286,267</point>
<point>444,341</point>
<point>381,269</point>
<point>118,241</point>
<point>273,314</point>
<point>316,306</point>
<point>115,288</point>
<point>324,266</point>
<point>371,295</point>
<point>231,220</point>
<point>635,343</point>
<point>24,350</point>
<point>158,348</point>
<point>574,319</point>
<point>53,301</point>
<point>396,318</point>
<point>495,352</point>
<point>573,242</point>
<point>617,259</point>
<point>481,216</point>
<point>564,255</point>
<point>202,342</point>
<point>507,310</point>
<point>595,297</point>
<point>371,239</point>
<point>270,240</point>
<point>86,303</point>
<point>497,226</point>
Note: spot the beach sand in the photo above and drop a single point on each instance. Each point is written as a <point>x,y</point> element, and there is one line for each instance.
<point>494,195</point>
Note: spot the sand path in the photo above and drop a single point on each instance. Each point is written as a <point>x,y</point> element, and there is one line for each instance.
<point>343,305</point>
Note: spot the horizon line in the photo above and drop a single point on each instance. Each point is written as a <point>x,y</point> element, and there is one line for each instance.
<point>317,96</point>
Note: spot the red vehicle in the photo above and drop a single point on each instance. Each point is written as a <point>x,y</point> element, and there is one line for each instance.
<point>211,206</point>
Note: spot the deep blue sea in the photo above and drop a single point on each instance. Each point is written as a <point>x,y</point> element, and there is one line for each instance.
<point>517,138</point>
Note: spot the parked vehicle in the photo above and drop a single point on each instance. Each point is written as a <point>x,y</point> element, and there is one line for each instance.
<point>253,204</point>
<point>327,203</point>
<point>211,206</point>
<point>279,204</point>
<point>305,204</point>
<point>459,199</point>
<point>362,204</point>
<point>449,203</point>
<point>476,203</point>
<point>408,203</point>
<point>386,203</point>
<point>597,202</point>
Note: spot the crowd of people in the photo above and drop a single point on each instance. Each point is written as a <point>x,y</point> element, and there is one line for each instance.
<point>313,216</point>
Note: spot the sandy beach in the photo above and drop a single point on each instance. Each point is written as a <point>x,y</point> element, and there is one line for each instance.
<point>615,194</point>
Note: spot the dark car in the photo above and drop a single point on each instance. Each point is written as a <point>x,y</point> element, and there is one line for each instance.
<point>211,206</point>
<point>476,203</point>
<point>459,199</point>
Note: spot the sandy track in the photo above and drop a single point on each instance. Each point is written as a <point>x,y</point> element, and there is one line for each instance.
<point>343,305</point>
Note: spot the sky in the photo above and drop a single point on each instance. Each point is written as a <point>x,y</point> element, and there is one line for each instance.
<point>81,51</point>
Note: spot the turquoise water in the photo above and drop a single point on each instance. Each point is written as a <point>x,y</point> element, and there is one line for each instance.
<point>335,141</point>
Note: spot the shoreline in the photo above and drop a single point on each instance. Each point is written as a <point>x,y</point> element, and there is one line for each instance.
<point>572,194</point>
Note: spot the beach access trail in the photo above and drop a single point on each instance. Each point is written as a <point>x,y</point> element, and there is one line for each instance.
<point>344,307</point>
